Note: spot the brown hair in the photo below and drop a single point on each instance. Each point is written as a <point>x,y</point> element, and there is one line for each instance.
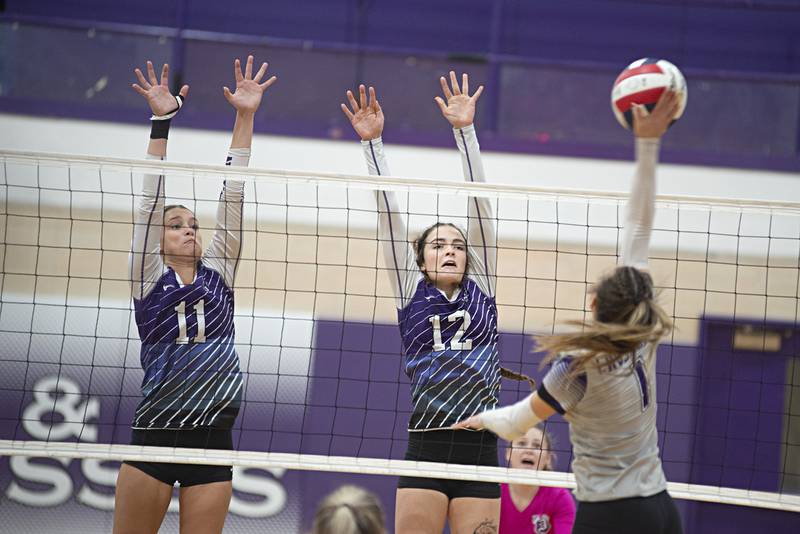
<point>626,315</point>
<point>419,246</point>
<point>174,206</point>
<point>350,510</point>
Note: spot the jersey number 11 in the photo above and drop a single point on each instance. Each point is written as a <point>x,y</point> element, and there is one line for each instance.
<point>183,338</point>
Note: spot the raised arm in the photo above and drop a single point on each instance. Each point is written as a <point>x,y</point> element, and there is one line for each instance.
<point>145,261</point>
<point>459,110</point>
<point>367,121</point>
<point>648,128</point>
<point>223,252</point>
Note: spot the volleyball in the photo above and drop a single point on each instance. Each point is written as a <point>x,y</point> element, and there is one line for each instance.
<point>643,82</point>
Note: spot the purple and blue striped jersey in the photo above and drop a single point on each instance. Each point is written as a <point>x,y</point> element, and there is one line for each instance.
<point>451,354</point>
<point>450,346</point>
<point>191,368</point>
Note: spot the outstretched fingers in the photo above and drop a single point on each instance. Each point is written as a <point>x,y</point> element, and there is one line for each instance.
<point>142,81</point>
<point>373,100</point>
<point>667,105</point>
<point>352,100</point>
<point>261,72</point>
<point>347,112</point>
<point>184,91</point>
<point>138,89</point>
<point>237,71</point>
<point>151,74</point>
<point>477,94</point>
<point>165,75</point>
<point>269,82</point>
<point>362,96</point>
<point>445,89</point>
<point>454,83</point>
<point>639,112</point>
<point>248,68</point>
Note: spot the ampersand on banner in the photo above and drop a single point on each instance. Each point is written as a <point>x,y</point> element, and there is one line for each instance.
<point>60,396</point>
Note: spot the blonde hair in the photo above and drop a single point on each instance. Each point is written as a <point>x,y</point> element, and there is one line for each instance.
<point>626,316</point>
<point>350,510</point>
<point>548,446</point>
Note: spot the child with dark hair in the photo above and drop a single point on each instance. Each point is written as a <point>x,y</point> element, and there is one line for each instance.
<point>603,375</point>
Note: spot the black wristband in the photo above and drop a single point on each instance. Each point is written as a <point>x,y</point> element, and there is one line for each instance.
<point>159,129</point>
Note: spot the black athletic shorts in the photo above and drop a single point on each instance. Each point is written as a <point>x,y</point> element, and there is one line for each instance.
<point>185,474</point>
<point>455,447</point>
<point>654,515</point>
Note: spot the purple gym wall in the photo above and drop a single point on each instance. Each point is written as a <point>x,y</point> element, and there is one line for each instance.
<point>547,92</point>
<point>357,404</point>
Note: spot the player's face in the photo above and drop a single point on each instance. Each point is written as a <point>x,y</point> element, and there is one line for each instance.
<point>445,257</point>
<point>181,240</point>
<point>528,451</point>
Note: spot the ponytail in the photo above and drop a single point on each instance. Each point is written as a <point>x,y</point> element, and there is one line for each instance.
<point>626,316</point>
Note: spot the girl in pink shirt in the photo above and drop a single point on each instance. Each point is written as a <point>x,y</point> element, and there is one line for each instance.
<point>534,509</point>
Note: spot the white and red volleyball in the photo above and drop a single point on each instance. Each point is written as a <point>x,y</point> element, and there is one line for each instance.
<point>643,82</point>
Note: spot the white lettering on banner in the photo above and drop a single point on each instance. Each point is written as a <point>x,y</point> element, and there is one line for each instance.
<point>60,395</point>
<point>96,473</point>
<point>270,489</point>
<point>59,484</point>
<point>63,397</point>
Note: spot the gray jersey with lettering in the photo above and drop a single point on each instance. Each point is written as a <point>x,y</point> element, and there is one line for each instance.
<point>612,412</point>
<point>612,416</point>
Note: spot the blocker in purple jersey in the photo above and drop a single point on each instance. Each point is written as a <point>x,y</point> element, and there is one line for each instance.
<point>191,369</point>
<point>451,354</point>
<point>643,82</point>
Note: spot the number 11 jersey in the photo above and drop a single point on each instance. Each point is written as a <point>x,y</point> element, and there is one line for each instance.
<point>191,369</point>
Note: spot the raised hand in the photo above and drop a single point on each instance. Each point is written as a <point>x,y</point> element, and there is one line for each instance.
<point>157,93</point>
<point>246,97</point>
<point>460,107</point>
<point>366,118</point>
<point>655,123</point>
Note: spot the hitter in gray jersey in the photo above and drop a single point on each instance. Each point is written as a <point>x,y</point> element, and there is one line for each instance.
<point>603,378</point>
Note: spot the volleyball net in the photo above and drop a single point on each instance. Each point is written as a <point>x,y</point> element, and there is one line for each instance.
<point>316,323</point>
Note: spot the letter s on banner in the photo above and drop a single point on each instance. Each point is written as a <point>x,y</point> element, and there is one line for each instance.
<point>59,481</point>
<point>258,482</point>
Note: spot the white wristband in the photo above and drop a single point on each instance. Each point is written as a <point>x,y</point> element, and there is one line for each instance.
<point>179,99</point>
<point>511,422</point>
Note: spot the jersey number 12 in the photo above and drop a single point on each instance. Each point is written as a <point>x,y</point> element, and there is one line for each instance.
<point>455,343</point>
<point>183,338</point>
